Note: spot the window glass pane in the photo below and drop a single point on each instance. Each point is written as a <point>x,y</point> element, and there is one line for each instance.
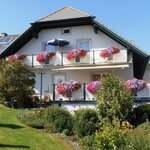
<point>84,44</point>
<point>49,48</point>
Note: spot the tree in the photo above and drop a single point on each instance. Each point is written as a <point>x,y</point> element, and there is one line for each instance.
<point>16,81</point>
<point>114,100</point>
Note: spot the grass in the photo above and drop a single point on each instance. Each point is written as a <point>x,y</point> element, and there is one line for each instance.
<point>16,136</point>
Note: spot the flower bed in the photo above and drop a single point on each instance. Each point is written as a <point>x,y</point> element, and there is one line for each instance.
<point>72,85</point>
<point>76,53</point>
<point>93,86</point>
<point>42,57</point>
<point>17,56</point>
<point>108,52</point>
<point>135,84</point>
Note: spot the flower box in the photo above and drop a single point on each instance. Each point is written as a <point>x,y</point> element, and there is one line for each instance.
<point>17,56</point>
<point>44,57</point>
<point>71,85</point>
<point>93,86</point>
<point>76,53</point>
<point>109,52</point>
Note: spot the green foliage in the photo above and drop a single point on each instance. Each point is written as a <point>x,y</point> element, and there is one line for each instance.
<point>114,99</point>
<point>86,122</point>
<point>33,120</point>
<point>60,118</point>
<point>66,132</point>
<point>109,138</point>
<point>145,125</point>
<point>141,114</point>
<point>16,82</point>
<point>88,143</point>
<point>137,139</point>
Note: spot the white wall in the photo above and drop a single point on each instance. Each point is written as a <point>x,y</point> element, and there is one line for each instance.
<point>99,40</point>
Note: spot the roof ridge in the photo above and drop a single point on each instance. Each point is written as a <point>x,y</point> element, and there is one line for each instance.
<point>54,12</point>
<point>79,10</point>
<point>50,14</point>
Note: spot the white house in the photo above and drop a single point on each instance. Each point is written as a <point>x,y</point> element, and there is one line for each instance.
<point>81,31</point>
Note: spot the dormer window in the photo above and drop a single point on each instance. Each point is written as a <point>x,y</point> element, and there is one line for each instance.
<point>66,31</point>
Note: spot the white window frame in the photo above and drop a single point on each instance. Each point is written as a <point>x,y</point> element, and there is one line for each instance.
<point>84,40</point>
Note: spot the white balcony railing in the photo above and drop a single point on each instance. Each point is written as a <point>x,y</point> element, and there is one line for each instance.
<point>92,57</point>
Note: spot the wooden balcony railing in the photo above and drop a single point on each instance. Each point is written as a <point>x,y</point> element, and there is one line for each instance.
<point>92,57</point>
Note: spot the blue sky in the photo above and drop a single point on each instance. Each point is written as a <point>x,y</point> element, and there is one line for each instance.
<point>129,18</point>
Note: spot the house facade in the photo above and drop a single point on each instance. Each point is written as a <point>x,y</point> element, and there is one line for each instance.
<point>89,51</point>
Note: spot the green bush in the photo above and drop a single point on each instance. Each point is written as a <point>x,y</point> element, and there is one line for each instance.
<point>66,132</point>
<point>86,122</point>
<point>88,142</point>
<point>137,139</point>
<point>60,118</point>
<point>37,125</point>
<point>33,120</point>
<point>49,127</point>
<point>109,138</point>
<point>145,126</point>
<point>141,114</point>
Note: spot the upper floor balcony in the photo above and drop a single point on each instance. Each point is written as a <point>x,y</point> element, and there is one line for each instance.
<point>91,57</point>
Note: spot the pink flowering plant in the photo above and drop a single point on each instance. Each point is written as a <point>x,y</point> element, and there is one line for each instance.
<point>72,85</point>
<point>108,52</point>
<point>93,86</point>
<point>44,55</point>
<point>17,56</point>
<point>76,53</point>
<point>135,84</point>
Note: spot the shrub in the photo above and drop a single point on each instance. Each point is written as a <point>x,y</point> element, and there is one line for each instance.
<point>109,138</point>
<point>33,120</point>
<point>88,142</point>
<point>114,100</point>
<point>49,127</point>
<point>60,118</point>
<point>35,124</point>
<point>145,126</point>
<point>137,139</point>
<point>86,122</point>
<point>141,114</point>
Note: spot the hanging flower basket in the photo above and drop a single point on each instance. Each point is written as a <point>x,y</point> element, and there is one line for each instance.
<point>108,52</point>
<point>135,84</point>
<point>93,86</point>
<point>17,56</point>
<point>42,57</point>
<point>72,85</point>
<point>76,53</point>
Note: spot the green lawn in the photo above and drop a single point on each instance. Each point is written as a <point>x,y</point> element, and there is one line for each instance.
<point>15,135</point>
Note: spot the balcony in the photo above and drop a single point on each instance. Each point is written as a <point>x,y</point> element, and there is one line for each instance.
<point>83,95</point>
<point>92,57</point>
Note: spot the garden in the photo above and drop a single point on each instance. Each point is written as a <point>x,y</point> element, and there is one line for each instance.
<point>113,125</point>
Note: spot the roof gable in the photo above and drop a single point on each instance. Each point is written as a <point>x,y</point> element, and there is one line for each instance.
<point>64,13</point>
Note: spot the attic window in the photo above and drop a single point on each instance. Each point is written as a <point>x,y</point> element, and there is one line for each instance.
<point>66,31</point>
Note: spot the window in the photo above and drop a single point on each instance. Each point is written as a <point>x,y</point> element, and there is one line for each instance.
<point>66,31</point>
<point>84,44</point>
<point>48,48</point>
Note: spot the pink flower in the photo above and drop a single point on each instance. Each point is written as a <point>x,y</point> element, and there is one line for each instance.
<point>109,51</point>
<point>76,53</point>
<point>62,87</point>
<point>93,86</point>
<point>135,84</point>
<point>44,55</point>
